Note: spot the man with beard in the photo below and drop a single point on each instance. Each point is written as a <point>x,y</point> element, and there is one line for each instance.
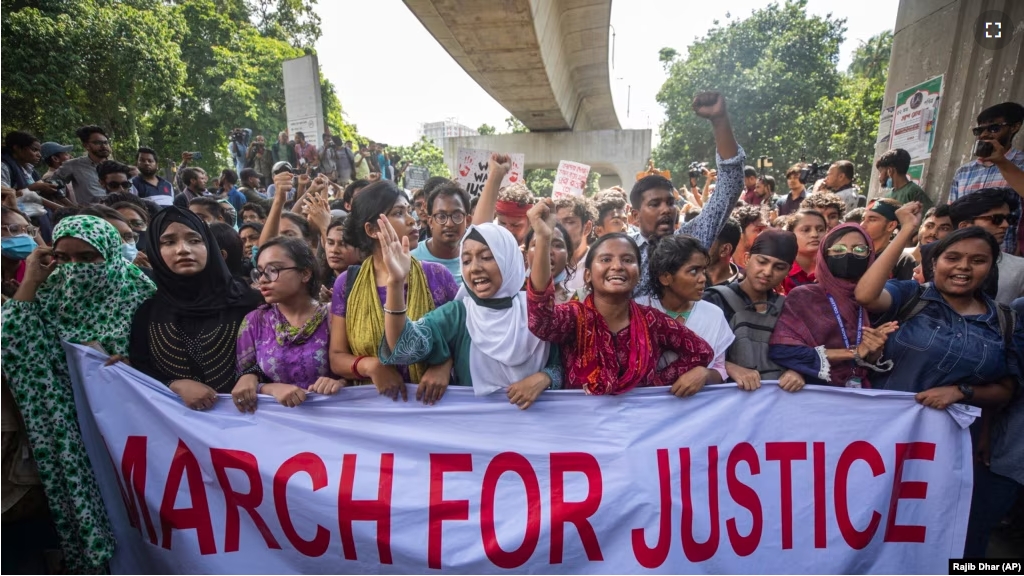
<point>935,225</point>
<point>721,269</point>
<point>81,171</point>
<point>839,179</point>
<point>653,201</point>
<point>1002,167</point>
<point>148,183</point>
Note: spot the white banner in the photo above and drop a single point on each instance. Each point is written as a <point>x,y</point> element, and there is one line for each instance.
<point>826,480</point>
<point>471,169</point>
<point>571,179</point>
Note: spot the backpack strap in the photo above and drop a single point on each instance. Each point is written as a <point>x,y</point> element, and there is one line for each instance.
<point>350,279</point>
<point>1007,323</point>
<point>912,307</point>
<point>736,303</point>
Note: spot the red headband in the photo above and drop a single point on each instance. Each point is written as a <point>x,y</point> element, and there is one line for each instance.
<point>513,209</point>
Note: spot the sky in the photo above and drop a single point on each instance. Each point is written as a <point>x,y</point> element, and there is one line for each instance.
<point>416,81</point>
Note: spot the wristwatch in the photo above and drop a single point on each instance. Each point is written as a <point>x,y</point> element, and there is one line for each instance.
<point>966,390</point>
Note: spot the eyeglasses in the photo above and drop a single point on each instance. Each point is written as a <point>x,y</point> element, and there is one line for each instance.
<point>130,237</point>
<point>858,251</point>
<point>989,128</point>
<point>17,229</point>
<point>456,217</point>
<point>271,273</point>
<point>126,185</point>
<point>138,225</point>
<point>995,219</point>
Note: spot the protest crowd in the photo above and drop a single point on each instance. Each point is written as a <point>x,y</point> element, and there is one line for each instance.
<point>300,270</point>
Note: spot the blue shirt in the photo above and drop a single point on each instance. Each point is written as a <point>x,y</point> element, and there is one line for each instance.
<point>237,199</point>
<point>939,347</point>
<point>454,265</point>
<point>147,190</point>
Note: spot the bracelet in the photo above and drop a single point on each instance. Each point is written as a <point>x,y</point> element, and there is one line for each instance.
<point>355,368</point>
<point>396,312</point>
<point>259,386</point>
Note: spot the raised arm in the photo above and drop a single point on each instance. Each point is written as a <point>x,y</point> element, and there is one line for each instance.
<point>870,292</point>
<point>716,208</point>
<point>498,167</point>
<point>282,185</point>
<point>542,219</point>
<point>398,261</point>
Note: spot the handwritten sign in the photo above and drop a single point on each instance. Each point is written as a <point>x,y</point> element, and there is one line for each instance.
<point>571,179</point>
<point>471,171</point>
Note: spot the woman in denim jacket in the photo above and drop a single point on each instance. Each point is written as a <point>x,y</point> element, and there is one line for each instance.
<point>954,350</point>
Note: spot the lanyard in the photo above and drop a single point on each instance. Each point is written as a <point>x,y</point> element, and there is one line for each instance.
<point>842,329</point>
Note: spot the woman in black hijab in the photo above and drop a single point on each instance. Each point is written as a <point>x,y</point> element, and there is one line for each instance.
<point>185,335</point>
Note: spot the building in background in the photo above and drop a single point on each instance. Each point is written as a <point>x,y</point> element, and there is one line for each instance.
<point>437,132</point>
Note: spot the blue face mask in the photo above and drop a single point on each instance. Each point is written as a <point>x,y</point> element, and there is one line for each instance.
<point>888,182</point>
<point>561,277</point>
<point>129,251</point>
<point>252,259</point>
<point>18,247</point>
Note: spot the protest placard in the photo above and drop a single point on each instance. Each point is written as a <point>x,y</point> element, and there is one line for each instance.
<point>571,179</point>
<point>471,170</point>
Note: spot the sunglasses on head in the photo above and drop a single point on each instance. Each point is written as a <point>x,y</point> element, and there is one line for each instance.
<point>989,128</point>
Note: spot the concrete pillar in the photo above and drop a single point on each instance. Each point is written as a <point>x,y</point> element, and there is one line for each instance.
<point>935,37</point>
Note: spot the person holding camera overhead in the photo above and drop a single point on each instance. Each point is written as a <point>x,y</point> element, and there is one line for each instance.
<point>259,159</point>
<point>998,164</point>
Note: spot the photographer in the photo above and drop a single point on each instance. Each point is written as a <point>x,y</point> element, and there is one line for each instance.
<point>330,157</point>
<point>997,164</point>
<point>239,146</point>
<point>259,159</point>
<point>363,163</point>
<point>305,153</point>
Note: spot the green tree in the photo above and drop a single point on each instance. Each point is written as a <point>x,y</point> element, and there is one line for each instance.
<point>772,67</point>
<point>871,58</point>
<point>425,154</point>
<point>486,130</point>
<point>515,126</point>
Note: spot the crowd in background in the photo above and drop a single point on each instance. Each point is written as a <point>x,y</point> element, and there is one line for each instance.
<point>300,270</point>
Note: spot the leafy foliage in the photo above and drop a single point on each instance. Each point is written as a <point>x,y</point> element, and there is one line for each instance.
<point>486,130</point>
<point>426,154</point>
<point>173,75</point>
<point>786,98</point>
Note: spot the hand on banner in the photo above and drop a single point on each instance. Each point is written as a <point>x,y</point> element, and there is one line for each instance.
<point>195,395</point>
<point>940,397</point>
<point>690,383</point>
<point>745,378</point>
<point>387,380</point>
<point>244,393</point>
<point>525,392</point>
<point>117,358</point>
<point>288,395</point>
<point>542,217</point>
<point>327,386</point>
<point>791,381</point>
<point>395,251</point>
<point>434,383</point>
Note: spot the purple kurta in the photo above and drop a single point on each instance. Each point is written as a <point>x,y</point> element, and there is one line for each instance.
<point>271,348</point>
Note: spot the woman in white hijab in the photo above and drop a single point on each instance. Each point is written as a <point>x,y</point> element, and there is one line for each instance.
<point>484,330</point>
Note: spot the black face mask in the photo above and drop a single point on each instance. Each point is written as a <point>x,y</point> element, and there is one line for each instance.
<point>847,266</point>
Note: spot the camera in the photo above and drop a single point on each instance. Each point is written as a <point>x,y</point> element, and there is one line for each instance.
<point>196,155</point>
<point>60,185</point>
<point>237,135</point>
<point>813,172</point>
<point>697,168</point>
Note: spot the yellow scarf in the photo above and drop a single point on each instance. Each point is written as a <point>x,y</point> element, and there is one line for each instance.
<point>364,315</point>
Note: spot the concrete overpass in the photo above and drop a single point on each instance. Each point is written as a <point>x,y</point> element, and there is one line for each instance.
<point>546,62</point>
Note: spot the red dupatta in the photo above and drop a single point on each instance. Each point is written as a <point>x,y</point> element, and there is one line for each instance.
<point>598,366</point>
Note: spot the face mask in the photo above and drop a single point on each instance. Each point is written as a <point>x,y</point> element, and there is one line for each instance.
<point>252,259</point>
<point>18,247</point>
<point>847,267</point>
<point>888,182</point>
<point>561,277</point>
<point>129,251</point>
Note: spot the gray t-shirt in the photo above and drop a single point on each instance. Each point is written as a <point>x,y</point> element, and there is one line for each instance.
<point>81,172</point>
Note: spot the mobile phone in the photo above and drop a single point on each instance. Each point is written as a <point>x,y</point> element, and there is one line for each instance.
<point>982,149</point>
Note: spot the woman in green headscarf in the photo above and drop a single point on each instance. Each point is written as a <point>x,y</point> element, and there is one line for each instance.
<point>81,291</point>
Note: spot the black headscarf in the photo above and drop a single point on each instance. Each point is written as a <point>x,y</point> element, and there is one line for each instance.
<point>208,292</point>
